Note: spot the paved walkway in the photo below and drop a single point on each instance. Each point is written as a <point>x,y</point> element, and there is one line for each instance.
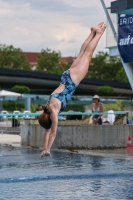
<point>119,153</point>
<point>15,140</point>
<point>11,139</point>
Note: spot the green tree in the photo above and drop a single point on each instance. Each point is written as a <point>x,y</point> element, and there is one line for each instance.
<point>104,67</point>
<point>50,61</point>
<point>105,90</point>
<point>21,89</point>
<point>121,76</point>
<point>11,57</point>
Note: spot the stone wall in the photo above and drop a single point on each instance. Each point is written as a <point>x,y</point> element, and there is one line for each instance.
<point>79,136</point>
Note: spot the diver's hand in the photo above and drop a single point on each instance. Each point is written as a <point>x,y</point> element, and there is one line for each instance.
<point>45,153</point>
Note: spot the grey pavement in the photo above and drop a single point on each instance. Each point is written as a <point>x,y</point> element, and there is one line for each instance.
<point>15,140</point>
<point>11,139</point>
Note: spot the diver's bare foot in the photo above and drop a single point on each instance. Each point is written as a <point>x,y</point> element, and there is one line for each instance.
<point>95,28</point>
<point>101,29</point>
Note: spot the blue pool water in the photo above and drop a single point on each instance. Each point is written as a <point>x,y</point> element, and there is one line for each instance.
<point>25,175</point>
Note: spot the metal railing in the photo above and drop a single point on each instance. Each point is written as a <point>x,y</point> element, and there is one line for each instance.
<point>11,122</point>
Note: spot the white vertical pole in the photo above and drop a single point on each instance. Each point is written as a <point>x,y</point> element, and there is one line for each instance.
<point>127,66</point>
<point>27,103</point>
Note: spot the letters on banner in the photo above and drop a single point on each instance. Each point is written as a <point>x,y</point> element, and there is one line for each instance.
<point>125,37</point>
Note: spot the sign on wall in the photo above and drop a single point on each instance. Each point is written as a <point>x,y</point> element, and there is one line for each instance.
<point>125,37</point>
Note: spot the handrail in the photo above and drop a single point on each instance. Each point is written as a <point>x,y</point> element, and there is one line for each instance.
<point>20,114</point>
<point>64,114</point>
<point>92,113</point>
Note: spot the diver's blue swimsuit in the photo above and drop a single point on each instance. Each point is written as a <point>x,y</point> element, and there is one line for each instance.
<point>66,94</point>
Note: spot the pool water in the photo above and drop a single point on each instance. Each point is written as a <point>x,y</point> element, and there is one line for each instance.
<point>25,175</point>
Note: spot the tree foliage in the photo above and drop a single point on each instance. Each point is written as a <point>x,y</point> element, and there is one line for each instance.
<point>12,105</point>
<point>117,106</point>
<point>11,57</point>
<point>50,61</point>
<point>21,89</point>
<point>105,90</point>
<point>104,67</point>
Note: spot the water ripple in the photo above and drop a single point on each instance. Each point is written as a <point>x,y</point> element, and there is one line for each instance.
<point>68,177</point>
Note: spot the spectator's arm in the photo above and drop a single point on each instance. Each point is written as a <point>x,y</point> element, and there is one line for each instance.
<point>101,110</point>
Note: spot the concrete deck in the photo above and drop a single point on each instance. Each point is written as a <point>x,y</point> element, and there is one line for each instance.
<point>11,139</point>
<point>118,153</point>
<point>15,140</point>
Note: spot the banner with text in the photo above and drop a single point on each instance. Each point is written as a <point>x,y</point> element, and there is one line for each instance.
<point>125,37</point>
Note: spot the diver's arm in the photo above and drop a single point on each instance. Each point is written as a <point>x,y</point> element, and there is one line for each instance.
<point>52,135</point>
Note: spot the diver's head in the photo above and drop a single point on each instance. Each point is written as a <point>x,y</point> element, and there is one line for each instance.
<point>44,119</point>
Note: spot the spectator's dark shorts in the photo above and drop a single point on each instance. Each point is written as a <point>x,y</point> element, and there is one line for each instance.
<point>99,121</point>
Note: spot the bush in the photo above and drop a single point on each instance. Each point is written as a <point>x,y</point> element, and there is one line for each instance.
<point>75,108</point>
<point>19,106</point>
<point>21,89</point>
<point>11,106</point>
<point>118,106</point>
<point>33,107</point>
<point>105,90</point>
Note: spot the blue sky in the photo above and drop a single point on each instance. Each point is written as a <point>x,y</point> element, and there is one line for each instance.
<point>33,25</point>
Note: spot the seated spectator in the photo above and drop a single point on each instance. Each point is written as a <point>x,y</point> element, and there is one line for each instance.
<point>97,106</point>
<point>111,117</point>
<point>40,108</point>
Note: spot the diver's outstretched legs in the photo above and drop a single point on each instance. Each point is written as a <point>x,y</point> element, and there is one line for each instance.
<point>81,68</point>
<point>85,44</point>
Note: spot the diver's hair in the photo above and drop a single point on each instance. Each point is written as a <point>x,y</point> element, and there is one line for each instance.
<point>44,119</point>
